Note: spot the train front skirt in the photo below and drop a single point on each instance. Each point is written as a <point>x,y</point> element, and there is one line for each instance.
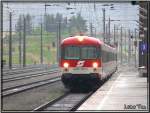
<point>81,81</point>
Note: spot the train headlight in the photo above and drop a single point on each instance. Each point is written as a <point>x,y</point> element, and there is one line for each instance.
<point>80,38</point>
<point>66,65</point>
<point>95,65</point>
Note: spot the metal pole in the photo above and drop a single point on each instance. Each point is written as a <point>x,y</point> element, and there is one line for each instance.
<point>24,43</point>
<point>2,38</point>
<point>95,32</point>
<point>58,40</point>
<point>10,41</point>
<point>125,44</point>
<point>129,46</point>
<point>20,28</point>
<point>41,46</point>
<point>132,44</point>
<point>69,28</point>
<point>70,31</point>
<point>114,34</point>
<point>91,30</point>
<point>45,8</point>
<point>117,43</point>
<point>109,31</point>
<point>104,34</point>
<point>121,44</point>
<point>135,47</point>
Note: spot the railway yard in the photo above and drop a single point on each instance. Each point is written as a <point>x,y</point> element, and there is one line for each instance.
<point>39,88</point>
<point>74,55</point>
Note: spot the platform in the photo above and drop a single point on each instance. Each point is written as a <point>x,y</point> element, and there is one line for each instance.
<point>125,90</point>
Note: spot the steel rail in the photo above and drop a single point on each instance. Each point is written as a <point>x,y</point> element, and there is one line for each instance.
<point>67,102</point>
<point>29,76</point>
<point>25,87</point>
<point>21,71</point>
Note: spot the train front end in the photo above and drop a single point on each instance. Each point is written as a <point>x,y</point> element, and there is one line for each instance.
<point>80,62</point>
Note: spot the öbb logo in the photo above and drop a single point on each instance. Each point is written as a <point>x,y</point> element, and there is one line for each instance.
<point>80,63</point>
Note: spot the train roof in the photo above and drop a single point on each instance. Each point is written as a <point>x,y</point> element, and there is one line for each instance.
<point>78,40</point>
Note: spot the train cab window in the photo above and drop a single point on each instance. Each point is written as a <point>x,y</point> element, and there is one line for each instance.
<point>80,52</point>
<point>72,52</point>
<point>89,52</point>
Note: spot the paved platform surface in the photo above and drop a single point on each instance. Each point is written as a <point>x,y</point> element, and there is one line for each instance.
<point>125,90</point>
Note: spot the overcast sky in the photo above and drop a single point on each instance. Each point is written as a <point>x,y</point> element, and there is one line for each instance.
<point>125,12</point>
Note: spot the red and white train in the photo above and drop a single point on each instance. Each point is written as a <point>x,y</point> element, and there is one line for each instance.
<point>86,61</point>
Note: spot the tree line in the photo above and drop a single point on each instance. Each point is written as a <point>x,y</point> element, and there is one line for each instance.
<point>76,23</point>
<point>20,23</point>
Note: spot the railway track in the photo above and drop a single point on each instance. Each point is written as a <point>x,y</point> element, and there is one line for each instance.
<point>20,67</point>
<point>30,75</point>
<point>67,102</point>
<point>19,71</point>
<point>16,67</point>
<point>17,89</point>
<point>23,72</point>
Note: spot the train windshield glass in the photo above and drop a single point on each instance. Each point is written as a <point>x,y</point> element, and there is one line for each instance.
<point>72,52</point>
<point>80,52</point>
<point>88,52</point>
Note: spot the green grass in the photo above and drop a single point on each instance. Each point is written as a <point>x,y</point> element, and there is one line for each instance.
<point>33,48</point>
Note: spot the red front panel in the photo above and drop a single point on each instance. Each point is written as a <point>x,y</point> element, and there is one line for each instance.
<point>82,63</point>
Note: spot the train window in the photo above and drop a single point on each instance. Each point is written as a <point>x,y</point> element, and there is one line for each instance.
<point>109,56</point>
<point>89,52</point>
<point>80,52</point>
<point>72,52</point>
<point>104,56</point>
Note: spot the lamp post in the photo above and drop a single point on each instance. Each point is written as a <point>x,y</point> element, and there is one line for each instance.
<point>104,16</point>
<point>109,25</point>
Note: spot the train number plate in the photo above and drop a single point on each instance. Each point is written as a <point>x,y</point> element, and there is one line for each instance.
<point>79,68</point>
